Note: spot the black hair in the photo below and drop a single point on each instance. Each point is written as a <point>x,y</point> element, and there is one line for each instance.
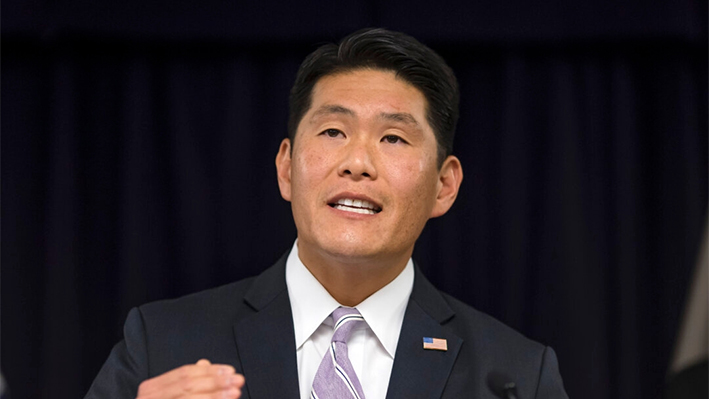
<point>376,48</point>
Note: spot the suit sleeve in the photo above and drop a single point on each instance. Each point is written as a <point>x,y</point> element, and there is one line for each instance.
<point>550,384</point>
<point>126,366</point>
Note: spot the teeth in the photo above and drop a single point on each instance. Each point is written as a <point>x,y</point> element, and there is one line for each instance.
<point>355,210</point>
<point>356,203</point>
<point>357,206</point>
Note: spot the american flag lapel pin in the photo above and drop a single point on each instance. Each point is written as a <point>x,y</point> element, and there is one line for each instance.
<point>436,344</point>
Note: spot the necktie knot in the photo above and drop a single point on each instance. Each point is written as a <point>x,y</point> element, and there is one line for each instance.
<point>345,320</point>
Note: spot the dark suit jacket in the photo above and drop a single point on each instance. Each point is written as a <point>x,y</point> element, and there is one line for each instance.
<point>249,325</point>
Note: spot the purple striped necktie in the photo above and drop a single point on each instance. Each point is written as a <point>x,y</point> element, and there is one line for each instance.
<point>335,377</point>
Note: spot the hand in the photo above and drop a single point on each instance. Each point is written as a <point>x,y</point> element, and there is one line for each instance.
<point>200,380</point>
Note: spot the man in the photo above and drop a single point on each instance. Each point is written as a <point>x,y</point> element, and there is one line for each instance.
<point>345,313</point>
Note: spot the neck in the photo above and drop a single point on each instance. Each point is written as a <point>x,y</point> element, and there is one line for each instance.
<point>352,280</point>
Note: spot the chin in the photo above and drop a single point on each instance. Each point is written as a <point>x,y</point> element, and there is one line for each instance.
<point>350,249</point>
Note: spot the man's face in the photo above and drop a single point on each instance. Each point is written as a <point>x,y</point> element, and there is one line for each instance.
<point>362,175</point>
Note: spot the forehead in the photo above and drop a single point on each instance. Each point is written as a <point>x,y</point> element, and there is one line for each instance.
<point>365,91</point>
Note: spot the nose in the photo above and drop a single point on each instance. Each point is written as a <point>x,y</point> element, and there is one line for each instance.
<point>358,161</point>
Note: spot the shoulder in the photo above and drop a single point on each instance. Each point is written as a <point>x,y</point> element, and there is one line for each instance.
<point>493,354</point>
<point>487,332</point>
<point>480,332</point>
<point>223,304</point>
<point>174,332</point>
<point>191,322</point>
<point>200,305</point>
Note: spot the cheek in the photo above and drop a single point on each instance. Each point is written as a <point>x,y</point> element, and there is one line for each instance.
<point>309,168</point>
<point>414,181</point>
<point>308,163</point>
<point>422,165</point>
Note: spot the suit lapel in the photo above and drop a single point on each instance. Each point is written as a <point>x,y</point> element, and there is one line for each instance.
<point>265,339</point>
<point>417,372</point>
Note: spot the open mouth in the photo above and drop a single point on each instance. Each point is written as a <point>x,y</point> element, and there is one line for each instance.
<point>356,206</point>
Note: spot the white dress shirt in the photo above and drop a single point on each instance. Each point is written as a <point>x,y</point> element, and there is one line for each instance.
<point>372,345</point>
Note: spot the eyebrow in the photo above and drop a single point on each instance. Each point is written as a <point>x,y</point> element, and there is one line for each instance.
<point>332,109</point>
<point>401,117</point>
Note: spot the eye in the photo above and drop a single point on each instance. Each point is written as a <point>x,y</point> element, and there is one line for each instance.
<point>392,139</point>
<point>332,133</point>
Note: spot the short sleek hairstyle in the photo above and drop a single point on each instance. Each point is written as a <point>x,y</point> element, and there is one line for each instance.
<point>391,51</point>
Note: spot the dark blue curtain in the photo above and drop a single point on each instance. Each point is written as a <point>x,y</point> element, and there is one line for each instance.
<point>138,145</point>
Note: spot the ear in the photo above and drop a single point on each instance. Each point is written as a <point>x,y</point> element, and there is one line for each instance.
<point>283,168</point>
<point>449,178</point>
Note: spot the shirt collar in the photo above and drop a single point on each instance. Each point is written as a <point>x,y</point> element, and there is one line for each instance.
<point>311,304</point>
<point>384,310</point>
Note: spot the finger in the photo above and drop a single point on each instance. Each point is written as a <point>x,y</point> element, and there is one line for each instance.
<point>232,393</point>
<point>239,380</point>
<point>197,386</point>
<point>184,373</point>
<point>203,362</point>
